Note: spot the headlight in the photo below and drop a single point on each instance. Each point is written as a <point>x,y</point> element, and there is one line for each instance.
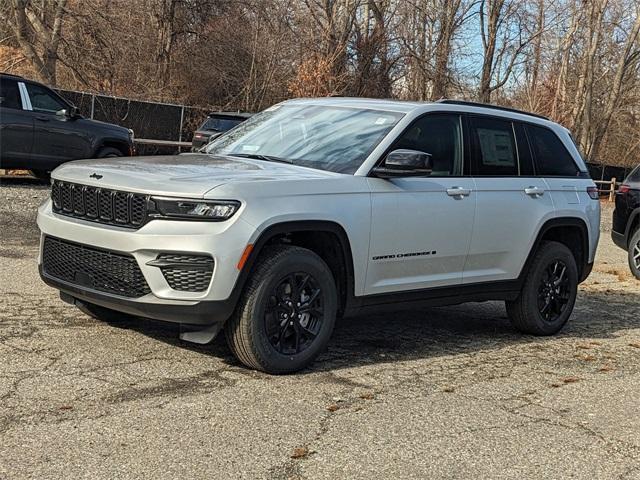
<point>187,209</point>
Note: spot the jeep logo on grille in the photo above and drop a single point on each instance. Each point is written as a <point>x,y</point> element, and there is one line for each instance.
<point>96,176</point>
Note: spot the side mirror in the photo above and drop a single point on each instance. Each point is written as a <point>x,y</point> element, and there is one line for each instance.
<point>71,113</point>
<point>405,163</point>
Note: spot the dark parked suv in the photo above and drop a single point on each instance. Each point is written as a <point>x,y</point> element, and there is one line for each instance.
<point>215,124</point>
<point>626,220</point>
<point>40,130</point>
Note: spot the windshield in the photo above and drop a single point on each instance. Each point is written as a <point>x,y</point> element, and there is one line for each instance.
<point>336,139</point>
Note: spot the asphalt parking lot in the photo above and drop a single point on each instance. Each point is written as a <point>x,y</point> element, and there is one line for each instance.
<point>442,393</point>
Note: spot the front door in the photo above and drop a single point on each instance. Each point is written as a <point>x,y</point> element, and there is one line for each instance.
<point>57,138</point>
<point>421,226</point>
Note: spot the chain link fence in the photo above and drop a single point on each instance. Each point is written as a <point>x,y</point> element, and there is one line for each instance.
<point>150,120</point>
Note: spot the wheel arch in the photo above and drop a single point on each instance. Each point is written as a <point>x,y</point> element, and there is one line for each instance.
<point>632,224</point>
<point>116,143</point>
<point>326,238</point>
<point>570,231</point>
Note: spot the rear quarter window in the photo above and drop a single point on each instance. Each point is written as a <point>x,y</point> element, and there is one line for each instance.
<point>551,157</point>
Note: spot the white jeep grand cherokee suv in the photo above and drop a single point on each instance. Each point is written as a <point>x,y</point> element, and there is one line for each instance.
<point>324,208</point>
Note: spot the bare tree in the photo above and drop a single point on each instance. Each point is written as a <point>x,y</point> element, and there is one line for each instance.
<point>504,38</point>
<point>37,27</point>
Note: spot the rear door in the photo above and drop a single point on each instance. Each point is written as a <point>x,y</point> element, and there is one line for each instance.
<point>512,203</point>
<point>16,127</point>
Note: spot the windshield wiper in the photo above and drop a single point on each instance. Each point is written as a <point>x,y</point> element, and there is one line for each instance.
<point>258,156</point>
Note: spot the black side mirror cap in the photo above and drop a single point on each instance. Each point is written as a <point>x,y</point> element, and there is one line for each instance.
<point>405,163</point>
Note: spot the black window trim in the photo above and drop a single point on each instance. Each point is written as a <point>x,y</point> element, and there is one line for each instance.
<point>463,144</point>
<point>466,146</point>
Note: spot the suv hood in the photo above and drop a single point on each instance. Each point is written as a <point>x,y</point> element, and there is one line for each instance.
<point>187,175</point>
<point>111,127</point>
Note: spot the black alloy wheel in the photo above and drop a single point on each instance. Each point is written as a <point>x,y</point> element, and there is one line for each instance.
<point>294,313</point>
<point>553,291</point>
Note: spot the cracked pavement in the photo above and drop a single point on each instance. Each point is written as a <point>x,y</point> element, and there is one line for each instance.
<point>449,392</point>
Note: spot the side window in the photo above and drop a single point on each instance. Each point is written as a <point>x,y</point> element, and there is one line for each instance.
<point>634,176</point>
<point>220,124</point>
<point>439,135</point>
<point>493,148</point>
<point>10,94</point>
<point>42,100</point>
<point>551,157</point>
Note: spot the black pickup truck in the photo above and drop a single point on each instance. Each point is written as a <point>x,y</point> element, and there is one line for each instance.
<point>40,130</point>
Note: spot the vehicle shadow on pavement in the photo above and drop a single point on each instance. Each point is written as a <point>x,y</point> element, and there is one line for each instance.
<point>21,181</point>
<point>434,332</point>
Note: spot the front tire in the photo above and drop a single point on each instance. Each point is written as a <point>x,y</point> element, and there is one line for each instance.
<point>109,152</point>
<point>42,175</point>
<point>549,292</point>
<point>287,311</point>
<point>634,254</point>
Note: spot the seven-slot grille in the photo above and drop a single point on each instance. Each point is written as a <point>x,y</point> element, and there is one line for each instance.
<point>99,204</point>
<point>94,268</point>
<point>186,273</point>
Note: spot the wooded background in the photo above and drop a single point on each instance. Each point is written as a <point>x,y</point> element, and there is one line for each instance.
<point>576,61</point>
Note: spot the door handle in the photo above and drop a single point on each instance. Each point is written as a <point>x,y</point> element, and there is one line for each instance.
<point>534,191</point>
<point>458,192</point>
<point>43,119</point>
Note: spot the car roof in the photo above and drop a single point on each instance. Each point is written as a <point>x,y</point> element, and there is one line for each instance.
<point>403,106</point>
<point>11,75</point>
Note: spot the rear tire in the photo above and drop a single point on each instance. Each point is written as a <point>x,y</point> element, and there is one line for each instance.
<point>549,292</point>
<point>286,313</point>
<point>634,254</point>
<point>109,152</point>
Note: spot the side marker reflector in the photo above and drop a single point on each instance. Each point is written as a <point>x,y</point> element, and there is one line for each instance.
<point>245,256</point>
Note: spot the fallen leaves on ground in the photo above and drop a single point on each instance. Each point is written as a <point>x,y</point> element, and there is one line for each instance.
<point>585,358</point>
<point>300,452</point>
<point>570,379</point>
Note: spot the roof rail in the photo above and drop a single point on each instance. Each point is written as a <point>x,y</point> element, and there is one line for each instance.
<point>487,105</point>
<point>11,75</point>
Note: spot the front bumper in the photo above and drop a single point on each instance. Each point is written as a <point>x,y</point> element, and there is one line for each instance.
<point>224,241</point>
<point>190,313</point>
